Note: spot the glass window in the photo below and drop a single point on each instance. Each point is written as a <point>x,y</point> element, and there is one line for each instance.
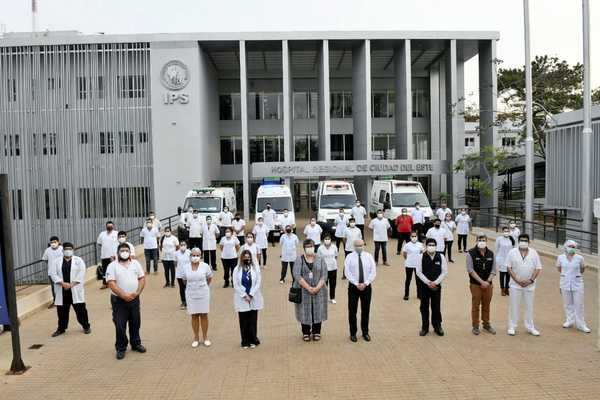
<point>300,105</point>
<point>227,151</point>
<point>225,107</point>
<point>337,201</point>
<point>277,203</point>
<point>313,153</point>
<point>100,87</point>
<point>237,107</point>
<point>349,147</point>
<point>203,204</point>
<point>301,148</point>
<point>254,106</point>
<point>271,106</point>
<point>237,141</point>
<point>82,84</point>
<point>125,142</point>
<point>391,103</point>
<point>420,103</point>
<point>12,145</point>
<point>421,145</point>
<point>337,147</point>
<point>347,104</point>
<point>257,150</point>
<point>380,150</point>
<point>272,153</point>
<point>409,199</point>
<point>17,204</point>
<point>337,105</point>
<point>314,104</point>
<point>379,105</point>
<point>107,143</point>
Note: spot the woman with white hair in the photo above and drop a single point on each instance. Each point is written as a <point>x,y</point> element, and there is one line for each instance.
<point>571,266</point>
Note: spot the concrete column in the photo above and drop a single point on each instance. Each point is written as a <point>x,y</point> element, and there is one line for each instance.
<point>244,123</point>
<point>361,113</point>
<point>434,130</point>
<point>288,116</point>
<point>324,118</point>
<point>454,135</point>
<point>403,106</point>
<point>487,113</point>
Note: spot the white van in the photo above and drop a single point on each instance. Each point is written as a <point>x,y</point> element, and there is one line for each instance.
<point>331,196</point>
<point>209,201</point>
<point>392,196</point>
<point>280,198</point>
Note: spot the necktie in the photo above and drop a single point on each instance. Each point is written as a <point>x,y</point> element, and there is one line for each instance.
<point>361,271</point>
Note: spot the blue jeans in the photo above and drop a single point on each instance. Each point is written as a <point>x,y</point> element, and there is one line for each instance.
<point>149,255</point>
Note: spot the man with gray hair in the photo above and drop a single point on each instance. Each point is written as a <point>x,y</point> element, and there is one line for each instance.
<point>481,267</point>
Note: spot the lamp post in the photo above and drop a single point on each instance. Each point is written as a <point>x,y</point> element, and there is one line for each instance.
<point>529,164</point>
<point>586,137</point>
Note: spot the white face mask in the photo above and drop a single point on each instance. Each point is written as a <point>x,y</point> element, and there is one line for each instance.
<point>327,242</point>
<point>54,246</point>
<point>124,255</point>
<point>506,234</point>
<point>167,234</point>
<point>249,240</point>
<point>121,240</point>
<point>209,221</point>
<point>512,225</point>
<point>149,226</point>
<point>352,224</point>
<point>481,245</point>
<point>413,239</point>
<point>228,234</point>
<point>152,217</point>
<point>431,249</point>
<point>68,253</point>
<point>195,216</point>
<point>285,214</point>
<point>195,259</point>
<point>309,251</point>
<point>313,223</point>
<point>379,215</point>
<point>260,223</point>
<point>183,248</point>
<point>523,245</point>
<point>463,212</point>
<point>417,207</point>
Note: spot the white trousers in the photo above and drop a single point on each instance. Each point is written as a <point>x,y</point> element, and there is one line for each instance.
<point>573,303</point>
<point>518,295</point>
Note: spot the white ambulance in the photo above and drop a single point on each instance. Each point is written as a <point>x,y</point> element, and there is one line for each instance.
<point>209,201</point>
<point>392,196</point>
<point>331,197</point>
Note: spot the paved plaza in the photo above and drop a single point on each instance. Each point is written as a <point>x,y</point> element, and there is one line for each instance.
<point>397,364</point>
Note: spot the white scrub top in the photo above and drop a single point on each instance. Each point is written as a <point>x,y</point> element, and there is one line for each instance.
<point>210,233</point>
<point>313,232</point>
<point>329,256</point>
<point>413,253</point>
<point>288,247</point>
<point>351,234</point>
<point>229,244</point>
<point>359,213</point>
<point>571,277</point>
<point>380,229</point>
<point>462,224</point>
<point>341,222</point>
<point>260,234</point>
<point>523,267</point>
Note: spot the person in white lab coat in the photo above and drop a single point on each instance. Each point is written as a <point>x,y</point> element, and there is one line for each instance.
<point>286,219</point>
<point>270,218</point>
<point>380,227</point>
<point>196,226</point>
<point>247,298</point>
<point>225,218</point>
<point>571,267</point>
<point>313,231</point>
<point>514,230</point>
<point>440,235</point>
<point>107,240</point>
<point>443,211</point>
<point>68,275</point>
<point>229,246</point>
<point>450,227</point>
<point>288,241</point>
<point>504,244</point>
<point>359,214</point>
<point>53,252</point>
<point>341,223</point>
<point>463,226</point>
<point>418,218</point>
<point>150,236</point>
<point>524,267</point>
<point>261,233</point>
<point>210,234</point>
<point>168,246</point>
<point>239,227</point>
<point>183,255</point>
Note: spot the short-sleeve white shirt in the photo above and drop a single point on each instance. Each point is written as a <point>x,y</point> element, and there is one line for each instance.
<point>149,236</point>
<point>169,247</point>
<point>126,277</point>
<point>380,229</point>
<point>313,232</point>
<point>523,268</point>
<point>107,242</point>
<point>288,247</point>
<point>413,253</point>
<point>229,244</point>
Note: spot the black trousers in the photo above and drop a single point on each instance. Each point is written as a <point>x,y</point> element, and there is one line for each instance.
<point>181,284</point>
<point>169,267</point>
<point>195,242</point>
<point>314,329</point>
<point>339,241</point>
<point>361,227</point>
<point>284,267</point>
<point>419,229</point>
<point>354,295</point>
<point>462,242</point>
<point>430,299</point>
<point>271,237</point>
<point>331,283</point>
<point>448,249</point>
<point>151,255</point>
<point>504,280</point>
<point>402,237</point>
<point>383,247</point>
<point>52,288</point>
<point>210,258</point>
<point>242,240</point>
<point>263,261</point>
<point>105,262</point>
<point>409,275</point>
<point>126,314</point>
<point>64,310</point>
<point>228,266</point>
<point>248,327</point>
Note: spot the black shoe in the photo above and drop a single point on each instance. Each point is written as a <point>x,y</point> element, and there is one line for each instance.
<point>256,342</point>
<point>166,285</point>
<point>58,332</point>
<point>423,332</point>
<point>452,261</point>
<point>367,337</point>
<point>139,348</point>
<point>226,284</point>
<point>405,297</point>
<point>353,338</point>
<point>87,331</point>
<point>439,331</point>
<point>120,355</point>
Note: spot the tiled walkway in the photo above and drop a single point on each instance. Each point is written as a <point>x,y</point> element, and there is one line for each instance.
<point>397,364</point>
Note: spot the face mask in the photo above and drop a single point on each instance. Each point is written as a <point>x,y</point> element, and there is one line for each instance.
<point>404,212</point>
<point>124,255</point>
<point>260,223</point>
<point>358,249</point>
<point>195,215</point>
<point>431,249</point>
<point>379,216</point>
<point>167,234</point>
<point>249,240</point>
<point>68,253</point>
<point>190,210</point>
<point>288,231</point>
<point>357,204</point>
<point>463,212</point>
<point>327,242</point>
<point>226,210</point>
<point>437,226</point>
<point>109,228</point>
<point>149,226</point>
<point>523,245</point>
<point>182,248</point>
<point>247,261</point>
<point>417,207</point>
<point>237,218</point>
<point>512,225</point>
<point>309,251</point>
<point>152,217</point>
<point>413,239</point>
<point>121,240</point>
<point>506,234</point>
<point>481,245</point>
<point>313,223</point>
<point>195,259</point>
<point>352,224</point>
<point>209,221</point>
<point>341,213</point>
<point>268,207</point>
<point>54,246</point>
<point>228,234</point>
<point>571,250</point>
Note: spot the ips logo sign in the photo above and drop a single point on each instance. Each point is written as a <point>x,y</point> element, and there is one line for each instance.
<point>175,76</point>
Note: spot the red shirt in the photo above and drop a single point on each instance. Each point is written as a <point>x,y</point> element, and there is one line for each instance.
<point>404,223</point>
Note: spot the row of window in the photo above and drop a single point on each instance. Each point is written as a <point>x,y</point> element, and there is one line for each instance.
<point>263,106</point>
<point>45,143</point>
<point>127,87</point>
<point>93,203</point>
<point>506,141</point>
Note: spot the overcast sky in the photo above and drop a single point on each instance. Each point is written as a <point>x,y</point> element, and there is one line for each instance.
<point>555,24</point>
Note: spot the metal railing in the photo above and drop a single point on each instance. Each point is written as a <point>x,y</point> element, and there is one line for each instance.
<point>36,272</point>
<point>550,229</point>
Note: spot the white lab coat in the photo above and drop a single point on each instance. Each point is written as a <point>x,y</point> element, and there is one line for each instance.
<point>503,246</point>
<point>196,226</point>
<point>284,221</point>
<point>269,218</point>
<point>77,275</point>
<point>210,234</point>
<point>239,303</point>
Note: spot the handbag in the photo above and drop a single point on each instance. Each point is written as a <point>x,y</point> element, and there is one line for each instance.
<point>295,294</point>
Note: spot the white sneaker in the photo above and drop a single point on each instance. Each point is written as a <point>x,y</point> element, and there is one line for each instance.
<point>511,332</point>
<point>584,329</point>
<point>195,343</point>
<point>281,282</point>
<point>533,332</point>
<point>333,301</point>
<point>567,324</point>
<point>252,346</point>
<point>207,343</point>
